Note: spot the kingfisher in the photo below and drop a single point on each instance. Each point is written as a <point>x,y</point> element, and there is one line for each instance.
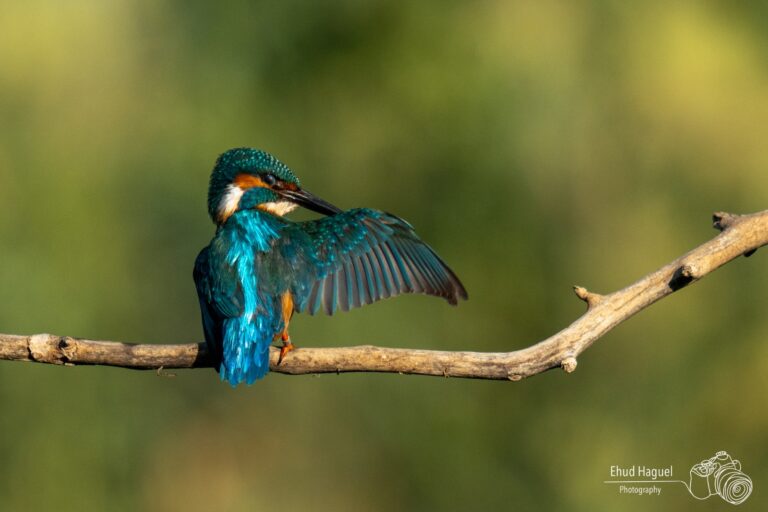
<point>260,268</point>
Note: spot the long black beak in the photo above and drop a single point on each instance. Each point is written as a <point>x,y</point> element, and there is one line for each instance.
<point>310,201</point>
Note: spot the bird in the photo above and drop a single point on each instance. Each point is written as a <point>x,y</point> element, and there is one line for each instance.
<point>260,268</point>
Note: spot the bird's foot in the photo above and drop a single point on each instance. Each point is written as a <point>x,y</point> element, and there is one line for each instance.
<point>287,347</point>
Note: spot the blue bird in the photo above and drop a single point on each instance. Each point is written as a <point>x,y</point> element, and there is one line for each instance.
<point>260,268</point>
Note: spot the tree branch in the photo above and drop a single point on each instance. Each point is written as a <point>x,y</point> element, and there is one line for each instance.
<point>740,235</point>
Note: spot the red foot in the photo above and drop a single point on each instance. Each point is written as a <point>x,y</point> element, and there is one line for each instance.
<point>287,347</point>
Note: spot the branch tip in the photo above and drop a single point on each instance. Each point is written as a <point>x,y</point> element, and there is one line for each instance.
<point>592,299</point>
<point>580,292</point>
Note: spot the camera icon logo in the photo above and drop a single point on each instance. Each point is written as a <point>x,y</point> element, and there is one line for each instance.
<point>720,475</point>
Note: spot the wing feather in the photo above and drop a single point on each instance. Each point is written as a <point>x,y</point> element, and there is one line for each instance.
<point>389,285</point>
<point>315,297</point>
<point>353,290</point>
<point>345,284</point>
<point>329,293</point>
<point>364,281</point>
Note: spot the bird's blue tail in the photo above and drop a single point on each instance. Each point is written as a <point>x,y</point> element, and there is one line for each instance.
<point>246,349</point>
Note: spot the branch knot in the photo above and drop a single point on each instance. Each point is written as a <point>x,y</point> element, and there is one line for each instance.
<point>569,364</point>
<point>44,348</point>
<point>724,220</point>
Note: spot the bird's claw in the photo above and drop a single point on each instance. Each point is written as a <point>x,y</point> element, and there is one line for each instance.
<point>287,347</point>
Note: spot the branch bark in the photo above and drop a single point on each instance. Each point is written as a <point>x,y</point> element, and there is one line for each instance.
<point>740,235</point>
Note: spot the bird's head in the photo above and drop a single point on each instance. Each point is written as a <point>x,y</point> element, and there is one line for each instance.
<point>246,178</point>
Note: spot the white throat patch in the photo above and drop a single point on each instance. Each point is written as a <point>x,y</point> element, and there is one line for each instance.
<point>229,202</point>
<point>278,208</point>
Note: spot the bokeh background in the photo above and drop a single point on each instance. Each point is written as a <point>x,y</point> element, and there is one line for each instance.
<point>534,144</point>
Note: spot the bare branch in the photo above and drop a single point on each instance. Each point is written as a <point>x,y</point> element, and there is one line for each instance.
<point>740,235</point>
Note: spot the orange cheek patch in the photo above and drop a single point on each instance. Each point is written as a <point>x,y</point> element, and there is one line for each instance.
<point>248,181</point>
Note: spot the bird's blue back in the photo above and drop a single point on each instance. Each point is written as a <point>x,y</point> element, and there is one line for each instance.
<point>243,317</point>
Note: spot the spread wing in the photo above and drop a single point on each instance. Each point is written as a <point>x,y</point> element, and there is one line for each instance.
<point>360,256</point>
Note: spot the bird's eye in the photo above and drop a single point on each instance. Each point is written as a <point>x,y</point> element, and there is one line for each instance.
<point>269,179</point>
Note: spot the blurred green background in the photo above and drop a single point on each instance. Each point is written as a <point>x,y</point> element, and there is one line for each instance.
<point>534,144</point>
